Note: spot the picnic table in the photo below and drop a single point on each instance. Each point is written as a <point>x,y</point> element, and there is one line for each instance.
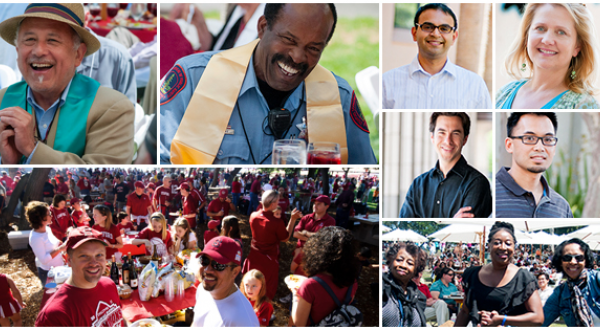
<point>368,229</point>
<point>145,30</point>
<point>134,309</point>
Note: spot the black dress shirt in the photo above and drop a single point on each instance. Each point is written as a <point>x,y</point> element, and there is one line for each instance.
<point>433,196</point>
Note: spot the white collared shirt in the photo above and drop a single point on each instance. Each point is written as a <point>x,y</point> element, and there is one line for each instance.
<point>411,87</point>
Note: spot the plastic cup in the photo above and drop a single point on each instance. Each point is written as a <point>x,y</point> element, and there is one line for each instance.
<point>289,152</point>
<point>324,153</point>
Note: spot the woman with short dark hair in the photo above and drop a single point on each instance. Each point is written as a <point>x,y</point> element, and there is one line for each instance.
<point>577,299</point>
<point>46,247</point>
<point>403,303</point>
<point>500,293</point>
<point>61,218</point>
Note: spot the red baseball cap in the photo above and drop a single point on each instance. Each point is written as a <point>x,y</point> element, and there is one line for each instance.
<point>151,185</point>
<point>80,235</point>
<point>223,250</point>
<point>212,224</point>
<point>223,193</point>
<point>184,185</point>
<point>139,184</point>
<point>74,200</point>
<point>323,199</point>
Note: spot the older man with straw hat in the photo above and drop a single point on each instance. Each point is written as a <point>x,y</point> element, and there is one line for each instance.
<point>57,116</point>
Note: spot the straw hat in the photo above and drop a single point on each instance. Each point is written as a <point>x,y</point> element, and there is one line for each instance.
<point>68,13</point>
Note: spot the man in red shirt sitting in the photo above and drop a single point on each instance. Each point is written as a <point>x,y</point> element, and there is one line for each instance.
<point>312,223</point>
<point>435,307</point>
<point>139,206</point>
<point>219,208</point>
<point>86,299</point>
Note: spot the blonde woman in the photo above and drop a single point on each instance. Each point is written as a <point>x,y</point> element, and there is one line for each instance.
<point>553,59</point>
<point>156,234</point>
<point>110,232</point>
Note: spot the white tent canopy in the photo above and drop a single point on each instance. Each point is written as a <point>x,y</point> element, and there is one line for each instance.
<point>469,233</point>
<point>543,238</point>
<point>385,228</point>
<point>404,235</point>
<point>525,225</point>
<point>589,233</point>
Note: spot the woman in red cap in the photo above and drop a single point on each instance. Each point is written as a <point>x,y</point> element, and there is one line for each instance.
<point>267,233</point>
<point>219,208</point>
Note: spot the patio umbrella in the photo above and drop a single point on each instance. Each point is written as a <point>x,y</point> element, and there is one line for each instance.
<point>469,233</point>
<point>404,235</point>
<point>589,233</point>
<point>543,238</point>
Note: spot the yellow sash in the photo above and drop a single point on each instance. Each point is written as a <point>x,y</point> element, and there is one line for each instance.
<point>215,97</point>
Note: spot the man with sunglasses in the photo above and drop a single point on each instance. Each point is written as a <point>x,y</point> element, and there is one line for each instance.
<point>219,302</point>
<point>521,190</point>
<point>431,81</point>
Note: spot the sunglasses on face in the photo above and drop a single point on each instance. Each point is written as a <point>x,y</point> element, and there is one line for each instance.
<point>569,257</point>
<point>205,262</point>
<point>450,274</point>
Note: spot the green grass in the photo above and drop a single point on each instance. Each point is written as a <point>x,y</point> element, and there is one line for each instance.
<point>354,47</point>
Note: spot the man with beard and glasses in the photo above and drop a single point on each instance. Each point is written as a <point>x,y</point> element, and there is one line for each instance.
<point>452,188</point>
<point>219,302</point>
<point>86,299</point>
<point>431,81</point>
<point>56,116</point>
<point>521,190</point>
<point>245,98</point>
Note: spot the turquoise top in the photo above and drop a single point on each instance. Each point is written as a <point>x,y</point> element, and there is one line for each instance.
<point>511,98</point>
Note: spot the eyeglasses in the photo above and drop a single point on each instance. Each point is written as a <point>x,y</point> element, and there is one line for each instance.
<point>205,261</point>
<point>531,140</point>
<point>429,28</point>
<point>569,257</point>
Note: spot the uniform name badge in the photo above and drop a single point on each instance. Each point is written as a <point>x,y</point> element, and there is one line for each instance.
<point>229,130</point>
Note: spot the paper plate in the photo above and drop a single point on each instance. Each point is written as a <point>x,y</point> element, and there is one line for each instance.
<point>294,281</point>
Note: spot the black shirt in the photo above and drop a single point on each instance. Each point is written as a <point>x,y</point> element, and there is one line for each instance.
<point>121,190</point>
<point>433,196</point>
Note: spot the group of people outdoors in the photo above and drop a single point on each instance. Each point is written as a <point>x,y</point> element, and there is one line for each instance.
<point>454,189</point>
<point>67,233</point>
<point>518,286</point>
<point>553,60</point>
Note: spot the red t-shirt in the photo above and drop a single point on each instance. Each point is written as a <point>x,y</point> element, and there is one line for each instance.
<point>208,235</point>
<point>216,206</point>
<point>83,184</point>
<point>284,204</point>
<point>127,226</point>
<point>162,247</point>
<point>77,215</point>
<point>110,236</point>
<point>61,221</point>
<point>255,187</point>
<point>138,204</point>
<point>267,232</point>
<point>309,223</point>
<point>425,289</point>
<point>316,295</point>
<point>236,187</point>
<point>161,195</point>
<point>75,307</point>
<point>264,313</point>
<point>62,188</point>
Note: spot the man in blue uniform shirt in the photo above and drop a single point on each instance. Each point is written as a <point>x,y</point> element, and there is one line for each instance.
<point>292,39</point>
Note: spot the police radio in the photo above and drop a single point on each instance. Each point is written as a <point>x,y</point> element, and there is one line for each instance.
<point>279,121</point>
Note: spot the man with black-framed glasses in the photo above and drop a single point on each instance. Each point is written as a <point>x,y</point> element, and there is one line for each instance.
<point>521,190</point>
<point>219,302</point>
<point>431,81</point>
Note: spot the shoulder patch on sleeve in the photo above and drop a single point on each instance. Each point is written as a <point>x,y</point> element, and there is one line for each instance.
<point>357,116</point>
<point>174,82</point>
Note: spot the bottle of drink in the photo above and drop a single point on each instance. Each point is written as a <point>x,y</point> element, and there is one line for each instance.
<point>126,271</point>
<point>155,257</point>
<point>133,276</point>
<point>114,271</point>
<point>50,277</point>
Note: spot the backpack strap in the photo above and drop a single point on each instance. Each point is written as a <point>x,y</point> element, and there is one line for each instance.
<point>328,289</point>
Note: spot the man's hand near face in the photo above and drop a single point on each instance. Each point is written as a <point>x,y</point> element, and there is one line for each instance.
<point>464,212</point>
<point>18,124</point>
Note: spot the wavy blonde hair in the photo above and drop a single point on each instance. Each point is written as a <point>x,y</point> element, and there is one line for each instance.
<point>159,217</point>
<point>583,64</point>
